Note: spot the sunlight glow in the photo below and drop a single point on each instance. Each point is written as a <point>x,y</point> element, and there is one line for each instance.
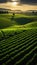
<point>14,0</point>
<point>14,3</point>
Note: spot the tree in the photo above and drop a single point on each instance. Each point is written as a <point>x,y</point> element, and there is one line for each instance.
<point>13,16</point>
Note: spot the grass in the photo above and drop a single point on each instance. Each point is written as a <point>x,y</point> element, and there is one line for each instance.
<point>19,19</point>
<point>18,48</point>
<point>18,39</point>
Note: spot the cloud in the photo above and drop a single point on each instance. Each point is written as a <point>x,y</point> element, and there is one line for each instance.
<point>3,1</point>
<point>31,2</point>
<point>28,2</point>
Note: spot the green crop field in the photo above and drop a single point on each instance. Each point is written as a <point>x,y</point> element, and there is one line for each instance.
<point>18,39</point>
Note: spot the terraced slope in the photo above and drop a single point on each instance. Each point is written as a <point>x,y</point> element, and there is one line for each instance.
<point>19,49</point>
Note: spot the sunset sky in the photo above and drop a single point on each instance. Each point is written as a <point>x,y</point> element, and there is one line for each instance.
<point>19,4</point>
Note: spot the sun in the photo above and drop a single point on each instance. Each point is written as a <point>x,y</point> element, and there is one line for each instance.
<point>14,3</point>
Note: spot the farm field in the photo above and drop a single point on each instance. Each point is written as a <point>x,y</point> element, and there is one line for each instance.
<point>18,39</point>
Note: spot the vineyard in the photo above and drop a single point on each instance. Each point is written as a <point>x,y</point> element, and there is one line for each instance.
<point>19,49</point>
<point>18,39</point>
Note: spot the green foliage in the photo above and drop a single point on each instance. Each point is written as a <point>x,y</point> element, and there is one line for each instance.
<point>7,20</point>
<point>19,48</point>
<point>18,40</point>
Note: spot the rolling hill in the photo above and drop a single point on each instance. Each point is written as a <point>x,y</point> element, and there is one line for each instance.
<point>18,39</point>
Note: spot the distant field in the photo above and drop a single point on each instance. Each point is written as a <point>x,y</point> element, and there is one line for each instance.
<point>6,20</point>
<point>18,39</point>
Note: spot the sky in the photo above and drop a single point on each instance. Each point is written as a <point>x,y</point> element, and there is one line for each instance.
<point>20,5</point>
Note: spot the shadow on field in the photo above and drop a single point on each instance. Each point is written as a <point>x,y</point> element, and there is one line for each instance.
<point>14,21</point>
<point>5,25</point>
<point>23,20</point>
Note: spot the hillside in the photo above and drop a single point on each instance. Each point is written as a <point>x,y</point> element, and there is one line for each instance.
<point>19,48</point>
<point>7,20</point>
<point>18,39</point>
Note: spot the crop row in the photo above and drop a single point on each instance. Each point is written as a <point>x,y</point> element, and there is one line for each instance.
<point>19,49</point>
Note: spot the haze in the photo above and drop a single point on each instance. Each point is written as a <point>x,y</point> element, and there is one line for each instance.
<point>18,6</point>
